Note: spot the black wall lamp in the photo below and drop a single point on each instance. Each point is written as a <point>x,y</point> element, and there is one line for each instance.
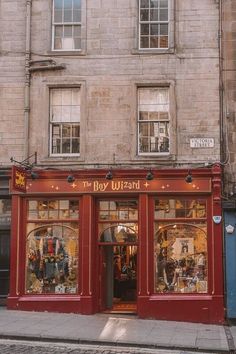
<point>70,179</point>
<point>189,177</point>
<point>149,176</point>
<point>109,175</point>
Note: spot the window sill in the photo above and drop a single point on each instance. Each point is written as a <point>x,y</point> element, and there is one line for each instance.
<point>66,53</point>
<point>181,297</point>
<point>155,158</point>
<point>61,159</point>
<point>152,51</point>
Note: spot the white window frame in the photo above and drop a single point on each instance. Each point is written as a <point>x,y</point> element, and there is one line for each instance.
<point>158,49</point>
<point>154,153</point>
<point>63,24</point>
<point>51,123</point>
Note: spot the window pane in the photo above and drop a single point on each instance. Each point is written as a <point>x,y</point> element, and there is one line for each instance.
<point>58,16</point>
<point>77,43</point>
<point>77,4</point>
<point>76,15</point>
<point>163,14</point>
<point>58,4</point>
<point>120,233</point>
<point>75,96</point>
<point>143,116</point>
<point>58,31</point>
<point>154,3</point>
<point>56,97</point>
<point>163,29</point>
<point>163,42</point>
<point>56,146</point>
<point>66,130</point>
<point>164,3</point>
<point>67,15</point>
<point>144,15</point>
<point>144,3</point>
<point>66,146</point>
<point>68,31</point>
<point>144,29</point>
<point>144,145</point>
<point>153,115</point>
<point>66,97</point>
<point>75,146</point>
<point>154,42</point>
<point>68,4</point>
<point>180,258</point>
<point>154,29</point>
<point>75,131</point>
<point>144,43</point>
<point>52,259</point>
<point>57,43</point>
<point>154,15</point>
<point>77,31</point>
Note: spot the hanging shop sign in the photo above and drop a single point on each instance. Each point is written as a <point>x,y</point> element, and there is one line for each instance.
<point>52,186</point>
<point>19,179</point>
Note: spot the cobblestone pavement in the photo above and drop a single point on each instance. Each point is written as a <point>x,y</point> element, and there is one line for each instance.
<point>28,347</point>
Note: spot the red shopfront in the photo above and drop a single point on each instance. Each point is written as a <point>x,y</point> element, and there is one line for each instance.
<point>126,244</point>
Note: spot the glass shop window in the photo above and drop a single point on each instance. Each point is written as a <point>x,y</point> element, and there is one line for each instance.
<point>52,244</point>
<point>5,211</point>
<point>118,221</point>
<point>180,246</point>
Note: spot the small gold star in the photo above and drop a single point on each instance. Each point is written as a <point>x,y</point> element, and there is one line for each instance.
<point>146,184</point>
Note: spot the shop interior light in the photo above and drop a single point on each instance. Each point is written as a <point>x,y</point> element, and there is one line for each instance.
<point>189,177</point>
<point>149,176</point>
<point>70,179</point>
<point>109,175</point>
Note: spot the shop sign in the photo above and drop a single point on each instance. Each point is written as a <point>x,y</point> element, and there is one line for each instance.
<point>118,186</point>
<point>19,179</point>
<point>202,142</point>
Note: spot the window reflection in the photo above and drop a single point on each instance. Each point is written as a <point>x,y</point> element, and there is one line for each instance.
<point>119,233</point>
<point>180,258</point>
<point>52,248</point>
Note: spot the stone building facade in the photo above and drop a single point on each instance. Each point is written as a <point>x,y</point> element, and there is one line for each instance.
<point>125,87</point>
<point>109,68</point>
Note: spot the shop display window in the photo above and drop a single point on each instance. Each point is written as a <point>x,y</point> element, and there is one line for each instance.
<point>119,233</point>
<point>5,211</point>
<point>118,210</point>
<point>52,247</point>
<point>118,221</point>
<point>180,208</point>
<point>180,247</point>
